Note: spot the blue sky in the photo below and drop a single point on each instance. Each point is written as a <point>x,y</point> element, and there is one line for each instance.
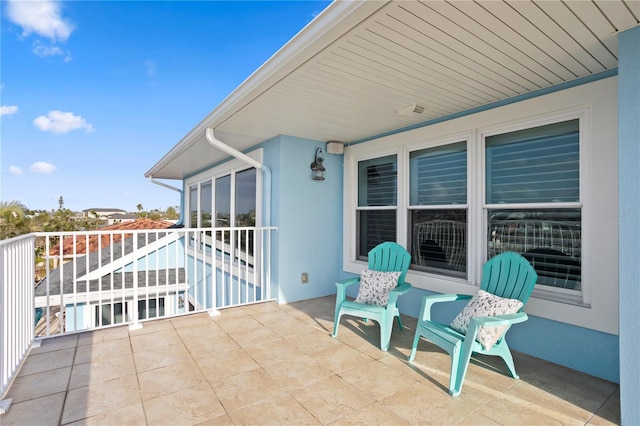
<point>94,93</point>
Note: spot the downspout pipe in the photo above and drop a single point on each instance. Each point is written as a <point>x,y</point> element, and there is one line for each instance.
<point>266,172</point>
<point>157,182</point>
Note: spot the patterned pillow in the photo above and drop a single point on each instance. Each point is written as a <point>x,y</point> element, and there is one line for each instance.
<point>375,287</point>
<point>484,304</point>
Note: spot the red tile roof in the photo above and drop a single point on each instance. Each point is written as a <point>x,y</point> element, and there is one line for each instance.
<point>106,239</point>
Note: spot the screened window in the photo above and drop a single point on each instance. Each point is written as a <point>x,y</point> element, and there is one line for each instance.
<point>150,308</point>
<point>523,170</point>
<point>437,232</point>
<point>223,201</point>
<point>377,202</point>
<point>205,204</point>
<point>535,165</point>
<point>246,198</point>
<point>111,313</point>
<point>193,206</point>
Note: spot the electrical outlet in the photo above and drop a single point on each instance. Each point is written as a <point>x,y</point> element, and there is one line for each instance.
<point>304,278</point>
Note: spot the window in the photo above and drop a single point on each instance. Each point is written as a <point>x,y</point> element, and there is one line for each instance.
<point>193,206</point>
<point>227,196</point>
<point>245,202</point>
<point>223,201</point>
<point>377,202</point>
<point>533,200</point>
<point>437,214</point>
<point>457,201</point>
<point>205,204</point>
<point>108,314</point>
<point>150,308</point>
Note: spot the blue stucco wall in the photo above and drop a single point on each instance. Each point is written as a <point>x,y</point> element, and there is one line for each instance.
<point>629,195</point>
<point>308,215</point>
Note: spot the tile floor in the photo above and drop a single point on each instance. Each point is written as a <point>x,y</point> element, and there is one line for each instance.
<point>267,364</point>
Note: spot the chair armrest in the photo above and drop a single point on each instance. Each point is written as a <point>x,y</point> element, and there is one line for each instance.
<point>429,301</point>
<point>348,282</point>
<point>398,291</point>
<point>341,294</point>
<point>494,321</point>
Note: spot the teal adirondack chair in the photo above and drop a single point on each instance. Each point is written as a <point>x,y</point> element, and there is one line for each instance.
<point>385,257</point>
<point>507,275</point>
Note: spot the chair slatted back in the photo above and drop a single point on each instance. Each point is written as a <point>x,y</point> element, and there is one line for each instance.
<point>509,275</point>
<point>390,256</point>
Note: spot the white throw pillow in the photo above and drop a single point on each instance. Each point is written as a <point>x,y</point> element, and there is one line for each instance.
<point>375,287</point>
<point>484,304</point>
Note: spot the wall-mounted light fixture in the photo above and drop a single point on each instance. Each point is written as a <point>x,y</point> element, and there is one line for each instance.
<point>317,169</point>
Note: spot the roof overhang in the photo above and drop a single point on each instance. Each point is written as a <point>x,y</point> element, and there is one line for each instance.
<point>365,68</point>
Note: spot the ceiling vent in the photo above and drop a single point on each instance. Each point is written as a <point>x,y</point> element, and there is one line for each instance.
<point>411,109</point>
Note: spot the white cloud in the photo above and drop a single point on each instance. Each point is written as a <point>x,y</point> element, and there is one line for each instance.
<point>8,109</point>
<point>151,68</point>
<point>61,122</point>
<point>41,17</point>
<point>42,167</point>
<point>43,51</point>
<point>15,170</point>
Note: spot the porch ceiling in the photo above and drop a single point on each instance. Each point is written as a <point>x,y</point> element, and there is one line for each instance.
<point>346,76</point>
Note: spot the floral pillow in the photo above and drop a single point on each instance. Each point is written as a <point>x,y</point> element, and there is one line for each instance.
<point>484,304</point>
<point>375,287</point>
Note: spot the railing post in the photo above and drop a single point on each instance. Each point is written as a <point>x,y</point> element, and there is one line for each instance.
<point>135,325</point>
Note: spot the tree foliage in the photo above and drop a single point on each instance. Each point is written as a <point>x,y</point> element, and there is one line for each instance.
<point>16,219</point>
<point>13,220</point>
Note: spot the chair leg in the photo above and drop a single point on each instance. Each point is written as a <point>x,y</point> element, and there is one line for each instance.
<point>399,322</point>
<point>336,323</point>
<point>504,353</point>
<point>460,357</point>
<point>416,339</point>
<point>386,325</point>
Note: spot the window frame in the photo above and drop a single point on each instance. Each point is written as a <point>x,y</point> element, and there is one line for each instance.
<point>408,208</point>
<point>231,167</point>
<point>580,297</point>
<point>476,196</point>
<point>359,208</point>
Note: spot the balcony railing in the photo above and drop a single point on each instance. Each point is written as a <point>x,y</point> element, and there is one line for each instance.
<point>65,282</point>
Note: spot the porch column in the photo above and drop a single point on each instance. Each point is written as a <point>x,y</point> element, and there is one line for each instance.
<point>629,222</point>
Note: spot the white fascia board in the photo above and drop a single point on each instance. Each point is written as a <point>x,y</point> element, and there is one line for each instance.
<point>334,22</point>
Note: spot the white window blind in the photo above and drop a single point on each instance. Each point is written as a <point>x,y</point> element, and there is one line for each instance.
<point>534,165</point>
<point>439,175</point>
<point>437,236</point>
<point>378,188</point>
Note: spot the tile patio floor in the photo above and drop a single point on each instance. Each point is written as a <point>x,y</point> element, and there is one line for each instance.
<point>267,364</point>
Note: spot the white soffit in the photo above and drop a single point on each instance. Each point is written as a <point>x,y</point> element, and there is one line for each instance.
<point>445,56</point>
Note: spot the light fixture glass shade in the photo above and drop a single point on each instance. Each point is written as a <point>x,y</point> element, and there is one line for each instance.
<point>317,169</point>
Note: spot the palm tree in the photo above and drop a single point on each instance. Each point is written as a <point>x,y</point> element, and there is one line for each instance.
<point>13,220</point>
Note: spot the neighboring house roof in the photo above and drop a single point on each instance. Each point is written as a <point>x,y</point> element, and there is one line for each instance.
<point>105,261</point>
<point>103,210</point>
<point>122,216</point>
<point>356,71</point>
<point>78,244</point>
<point>111,281</point>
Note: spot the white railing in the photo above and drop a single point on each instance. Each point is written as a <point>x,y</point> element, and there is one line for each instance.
<point>16,302</point>
<point>132,276</point>
<point>64,282</point>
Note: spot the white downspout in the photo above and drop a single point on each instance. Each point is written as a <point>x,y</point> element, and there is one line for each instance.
<point>266,172</point>
<point>157,182</point>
